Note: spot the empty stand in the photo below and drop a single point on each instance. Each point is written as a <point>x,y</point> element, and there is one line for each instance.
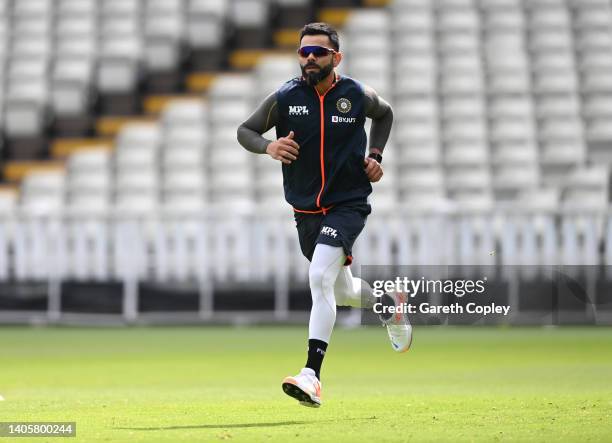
<point>502,107</point>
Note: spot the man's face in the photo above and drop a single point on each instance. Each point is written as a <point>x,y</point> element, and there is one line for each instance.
<point>315,69</point>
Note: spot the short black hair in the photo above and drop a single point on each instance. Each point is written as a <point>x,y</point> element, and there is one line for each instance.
<point>322,28</point>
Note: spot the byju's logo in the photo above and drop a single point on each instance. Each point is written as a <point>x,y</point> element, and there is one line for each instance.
<point>338,119</point>
<point>298,110</point>
<point>331,232</point>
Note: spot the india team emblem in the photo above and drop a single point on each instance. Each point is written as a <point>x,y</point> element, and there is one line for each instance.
<point>343,105</point>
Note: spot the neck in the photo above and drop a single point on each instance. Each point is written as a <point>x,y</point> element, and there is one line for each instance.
<point>323,86</point>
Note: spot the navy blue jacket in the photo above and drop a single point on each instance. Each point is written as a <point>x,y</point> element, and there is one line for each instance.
<point>330,131</point>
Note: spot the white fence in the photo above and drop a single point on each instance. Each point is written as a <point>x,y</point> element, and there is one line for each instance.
<point>210,250</point>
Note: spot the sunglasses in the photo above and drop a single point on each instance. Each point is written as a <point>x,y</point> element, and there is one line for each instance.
<point>317,51</point>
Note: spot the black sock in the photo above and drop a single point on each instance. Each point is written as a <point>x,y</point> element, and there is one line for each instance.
<point>316,352</point>
<point>386,300</point>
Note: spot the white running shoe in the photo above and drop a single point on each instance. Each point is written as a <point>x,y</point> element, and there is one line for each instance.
<point>398,326</point>
<point>304,387</point>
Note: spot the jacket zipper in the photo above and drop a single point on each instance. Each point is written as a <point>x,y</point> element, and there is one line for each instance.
<point>322,148</point>
<point>322,144</point>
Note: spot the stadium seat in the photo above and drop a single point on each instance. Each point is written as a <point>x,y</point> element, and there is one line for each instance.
<point>188,180</point>
<point>206,23</point>
<point>71,78</point>
<point>76,7</point>
<point>272,71</point>
<point>587,188</point>
<point>412,21</point>
<point>43,193</point>
<point>89,171</point>
<point>139,135</point>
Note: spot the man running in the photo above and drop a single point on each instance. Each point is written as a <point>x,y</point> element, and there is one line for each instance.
<point>321,143</point>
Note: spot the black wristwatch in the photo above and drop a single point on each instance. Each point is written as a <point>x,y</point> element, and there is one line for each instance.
<point>376,156</point>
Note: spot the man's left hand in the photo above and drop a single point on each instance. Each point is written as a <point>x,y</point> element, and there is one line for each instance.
<point>373,169</point>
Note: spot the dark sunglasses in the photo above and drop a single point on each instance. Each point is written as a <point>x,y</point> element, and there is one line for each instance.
<point>317,51</point>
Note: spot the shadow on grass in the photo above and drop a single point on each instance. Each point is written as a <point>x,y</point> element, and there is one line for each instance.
<point>244,425</point>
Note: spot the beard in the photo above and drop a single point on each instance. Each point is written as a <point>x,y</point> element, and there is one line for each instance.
<point>314,77</point>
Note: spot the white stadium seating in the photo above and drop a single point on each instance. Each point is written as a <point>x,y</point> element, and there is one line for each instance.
<point>497,104</point>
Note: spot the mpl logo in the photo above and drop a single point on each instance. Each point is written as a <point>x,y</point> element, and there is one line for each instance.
<point>331,232</point>
<point>298,110</point>
<point>338,119</point>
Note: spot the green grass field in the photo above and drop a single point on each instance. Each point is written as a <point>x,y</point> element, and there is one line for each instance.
<point>211,384</point>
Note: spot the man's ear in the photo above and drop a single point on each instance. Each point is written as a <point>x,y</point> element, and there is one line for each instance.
<point>337,58</point>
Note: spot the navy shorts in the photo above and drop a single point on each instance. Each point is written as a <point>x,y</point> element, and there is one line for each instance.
<point>339,227</point>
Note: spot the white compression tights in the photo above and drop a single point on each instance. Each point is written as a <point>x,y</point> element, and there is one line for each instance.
<point>331,284</point>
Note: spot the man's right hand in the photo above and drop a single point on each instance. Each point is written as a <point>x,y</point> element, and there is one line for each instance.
<point>284,149</point>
